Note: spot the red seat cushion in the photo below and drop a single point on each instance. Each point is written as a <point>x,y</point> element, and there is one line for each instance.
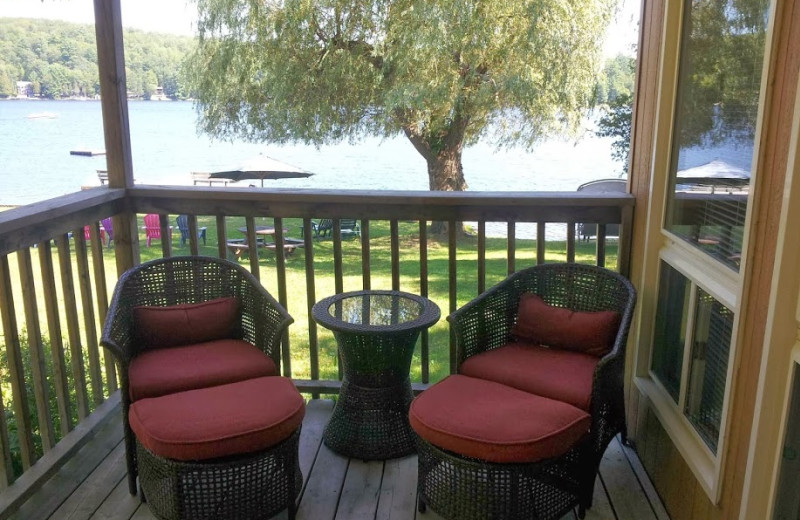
<point>187,323</point>
<point>557,374</point>
<point>590,332</point>
<point>494,422</point>
<point>169,370</point>
<point>242,417</point>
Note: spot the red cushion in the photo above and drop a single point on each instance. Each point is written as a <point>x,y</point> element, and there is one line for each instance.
<point>558,374</point>
<point>186,323</point>
<point>242,417</point>
<point>169,370</point>
<point>590,332</point>
<point>494,422</point>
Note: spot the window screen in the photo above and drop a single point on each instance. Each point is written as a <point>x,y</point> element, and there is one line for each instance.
<point>708,373</point>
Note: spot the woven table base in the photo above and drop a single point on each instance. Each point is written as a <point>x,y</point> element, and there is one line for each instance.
<point>462,488</point>
<point>371,423</point>
<point>255,486</point>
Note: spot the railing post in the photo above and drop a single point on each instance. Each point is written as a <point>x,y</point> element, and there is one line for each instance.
<point>113,95</point>
<point>15,367</point>
<point>625,238</point>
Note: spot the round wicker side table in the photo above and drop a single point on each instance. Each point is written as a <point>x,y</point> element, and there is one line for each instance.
<point>376,332</point>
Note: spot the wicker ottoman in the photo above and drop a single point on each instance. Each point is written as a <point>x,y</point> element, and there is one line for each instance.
<point>223,452</point>
<point>487,450</point>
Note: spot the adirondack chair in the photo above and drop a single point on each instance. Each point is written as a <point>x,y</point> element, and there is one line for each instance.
<point>87,235</point>
<point>183,226</point>
<point>350,227</point>
<point>109,229</point>
<point>324,228</point>
<point>152,228</point>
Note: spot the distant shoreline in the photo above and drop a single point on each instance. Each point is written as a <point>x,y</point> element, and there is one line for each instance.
<point>83,99</point>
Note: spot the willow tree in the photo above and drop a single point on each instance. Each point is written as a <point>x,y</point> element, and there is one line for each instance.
<point>443,73</point>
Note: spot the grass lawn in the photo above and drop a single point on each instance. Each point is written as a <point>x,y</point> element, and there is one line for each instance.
<point>380,264</point>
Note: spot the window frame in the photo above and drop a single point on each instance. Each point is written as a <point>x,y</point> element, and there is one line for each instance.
<point>720,281</point>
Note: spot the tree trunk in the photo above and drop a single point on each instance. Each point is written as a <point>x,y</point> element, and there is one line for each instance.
<point>446,173</point>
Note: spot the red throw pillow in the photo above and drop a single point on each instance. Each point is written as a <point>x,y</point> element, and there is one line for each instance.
<point>187,323</point>
<point>588,332</point>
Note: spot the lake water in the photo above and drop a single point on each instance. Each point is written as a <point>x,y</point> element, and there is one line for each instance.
<point>35,163</point>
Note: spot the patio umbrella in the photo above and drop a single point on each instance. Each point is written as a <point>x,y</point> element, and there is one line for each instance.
<point>261,167</point>
<point>714,173</point>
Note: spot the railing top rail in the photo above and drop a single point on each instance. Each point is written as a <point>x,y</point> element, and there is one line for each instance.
<point>499,206</point>
<point>24,226</point>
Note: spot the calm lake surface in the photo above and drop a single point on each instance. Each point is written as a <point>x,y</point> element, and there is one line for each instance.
<point>35,163</point>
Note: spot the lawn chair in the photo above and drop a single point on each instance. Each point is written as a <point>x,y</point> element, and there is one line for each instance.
<point>152,228</point>
<point>183,226</point>
<point>109,229</point>
<point>350,227</point>
<point>87,234</point>
<point>588,230</point>
<point>323,228</point>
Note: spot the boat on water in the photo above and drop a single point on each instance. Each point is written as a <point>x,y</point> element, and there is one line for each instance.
<point>43,115</point>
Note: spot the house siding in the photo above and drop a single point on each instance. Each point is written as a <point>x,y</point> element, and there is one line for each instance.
<point>682,494</point>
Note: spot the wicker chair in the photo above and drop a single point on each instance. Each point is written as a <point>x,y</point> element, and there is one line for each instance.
<point>462,487</point>
<point>261,320</point>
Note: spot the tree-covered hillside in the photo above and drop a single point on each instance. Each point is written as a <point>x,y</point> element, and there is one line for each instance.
<point>60,59</point>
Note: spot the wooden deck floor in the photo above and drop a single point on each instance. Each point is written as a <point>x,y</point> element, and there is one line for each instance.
<point>92,485</point>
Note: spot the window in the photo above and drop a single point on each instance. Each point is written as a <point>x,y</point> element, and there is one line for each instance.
<point>714,132</point>
<point>705,339</point>
<point>705,149</point>
<point>670,330</point>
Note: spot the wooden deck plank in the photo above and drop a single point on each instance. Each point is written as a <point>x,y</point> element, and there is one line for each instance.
<point>95,489</point>
<point>623,486</point>
<point>644,481</point>
<point>318,412</point>
<point>74,472</point>
<point>398,497</point>
<point>336,487</point>
<point>601,507</point>
<point>360,492</point>
<point>324,486</point>
<point>120,504</point>
<point>143,513</point>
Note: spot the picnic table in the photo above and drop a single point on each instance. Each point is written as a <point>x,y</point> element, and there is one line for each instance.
<point>238,247</point>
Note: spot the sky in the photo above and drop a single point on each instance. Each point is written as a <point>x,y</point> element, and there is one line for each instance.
<point>176,16</point>
<point>165,16</point>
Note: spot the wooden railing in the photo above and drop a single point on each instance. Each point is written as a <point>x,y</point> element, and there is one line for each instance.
<point>51,316</point>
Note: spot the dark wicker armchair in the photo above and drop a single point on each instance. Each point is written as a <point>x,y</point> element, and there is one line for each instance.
<point>185,280</point>
<point>540,489</point>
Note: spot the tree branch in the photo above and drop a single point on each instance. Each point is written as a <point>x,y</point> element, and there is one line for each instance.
<point>357,48</point>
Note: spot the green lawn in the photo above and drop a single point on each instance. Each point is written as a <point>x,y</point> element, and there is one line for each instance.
<point>380,264</point>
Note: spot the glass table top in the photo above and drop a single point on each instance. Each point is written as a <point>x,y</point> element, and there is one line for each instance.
<point>376,310</point>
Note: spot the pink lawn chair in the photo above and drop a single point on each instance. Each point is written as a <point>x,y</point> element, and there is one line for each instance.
<point>152,228</point>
